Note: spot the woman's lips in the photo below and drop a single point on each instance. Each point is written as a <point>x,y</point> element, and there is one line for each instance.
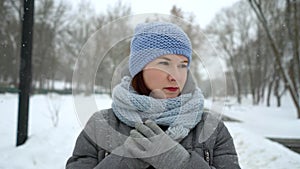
<point>172,89</point>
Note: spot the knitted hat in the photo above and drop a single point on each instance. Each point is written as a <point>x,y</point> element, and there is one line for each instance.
<point>152,40</point>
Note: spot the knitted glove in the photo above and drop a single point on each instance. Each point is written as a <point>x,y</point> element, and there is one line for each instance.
<point>128,158</point>
<point>157,148</point>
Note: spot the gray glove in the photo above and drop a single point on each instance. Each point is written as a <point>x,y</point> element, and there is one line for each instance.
<point>128,158</point>
<point>157,148</point>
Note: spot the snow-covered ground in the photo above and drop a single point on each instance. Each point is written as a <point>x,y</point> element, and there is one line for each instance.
<point>50,144</point>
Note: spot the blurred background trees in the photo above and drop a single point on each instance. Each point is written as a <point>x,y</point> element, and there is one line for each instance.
<point>257,40</point>
<point>10,35</point>
<point>60,33</point>
<point>260,43</point>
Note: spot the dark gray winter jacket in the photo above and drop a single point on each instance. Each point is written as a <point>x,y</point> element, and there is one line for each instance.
<point>210,145</point>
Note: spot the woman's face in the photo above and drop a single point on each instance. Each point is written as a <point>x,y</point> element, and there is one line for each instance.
<point>166,75</point>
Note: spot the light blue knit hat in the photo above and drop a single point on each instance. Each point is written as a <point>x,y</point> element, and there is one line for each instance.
<point>152,40</point>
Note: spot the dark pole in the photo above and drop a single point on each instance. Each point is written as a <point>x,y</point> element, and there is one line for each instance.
<point>25,71</point>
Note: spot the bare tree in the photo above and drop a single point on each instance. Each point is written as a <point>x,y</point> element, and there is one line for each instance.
<point>54,105</point>
<point>292,17</point>
<point>261,13</point>
<point>101,43</point>
<point>10,37</point>
<point>233,29</point>
<point>116,52</point>
<point>50,23</point>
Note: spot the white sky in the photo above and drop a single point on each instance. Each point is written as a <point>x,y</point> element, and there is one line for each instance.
<point>204,10</point>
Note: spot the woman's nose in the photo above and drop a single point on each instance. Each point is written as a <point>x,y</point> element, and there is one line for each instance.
<point>171,78</point>
<point>173,75</point>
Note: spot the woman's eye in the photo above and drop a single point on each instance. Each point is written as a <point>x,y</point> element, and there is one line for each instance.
<point>183,66</point>
<point>163,63</point>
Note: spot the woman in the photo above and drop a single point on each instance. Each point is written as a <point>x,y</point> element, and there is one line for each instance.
<point>161,110</point>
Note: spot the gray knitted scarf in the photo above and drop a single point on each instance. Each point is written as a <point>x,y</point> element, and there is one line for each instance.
<point>181,114</point>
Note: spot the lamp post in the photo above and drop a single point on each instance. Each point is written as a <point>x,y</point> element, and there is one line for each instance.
<point>25,71</point>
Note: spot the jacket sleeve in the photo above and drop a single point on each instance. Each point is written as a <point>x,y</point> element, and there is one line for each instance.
<point>224,155</point>
<point>85,153</point>
<point>88,155</point>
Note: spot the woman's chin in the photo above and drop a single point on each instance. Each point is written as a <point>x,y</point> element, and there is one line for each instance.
<point>171,95</point>
<point>158,94</point>
<point>161,94</point>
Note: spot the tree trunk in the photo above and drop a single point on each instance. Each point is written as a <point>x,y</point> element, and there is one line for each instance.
<point>252,84</point>
<point>262,92</point>
<point>276,91</point>
<point>270,91</point>
<point>239,99</point>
